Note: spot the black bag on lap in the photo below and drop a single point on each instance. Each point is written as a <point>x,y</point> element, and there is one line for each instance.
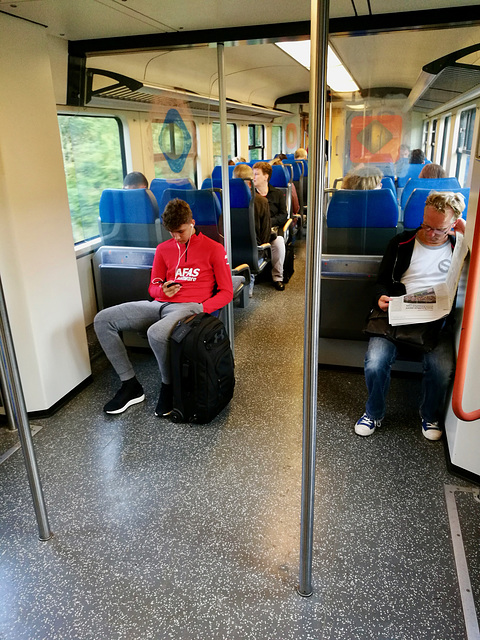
<point>422,337</point>
<point>202,369</point>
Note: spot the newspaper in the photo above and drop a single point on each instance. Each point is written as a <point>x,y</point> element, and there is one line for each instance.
<point>434,302</point>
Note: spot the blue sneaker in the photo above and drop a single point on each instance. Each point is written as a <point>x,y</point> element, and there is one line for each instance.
<point>431,430</point>
<point>365,426</point>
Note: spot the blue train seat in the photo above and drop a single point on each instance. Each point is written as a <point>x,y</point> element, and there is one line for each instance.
<point>280,179</point>
<point>432,184</point>
<point>413,213</point>
<point>388,183</point>
<point>158,186</point>
<point>130,218</point>
<point>207,184</point>
<point>217,171</point>
<point>361,222</point>
<point>412,172</point>
<point>203,203</point>
<point>242,220</point>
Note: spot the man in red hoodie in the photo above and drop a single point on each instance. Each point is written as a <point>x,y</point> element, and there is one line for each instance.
<point>190,274</point>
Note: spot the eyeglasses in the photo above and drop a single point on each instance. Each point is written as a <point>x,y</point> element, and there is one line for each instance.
<point>437,232</point>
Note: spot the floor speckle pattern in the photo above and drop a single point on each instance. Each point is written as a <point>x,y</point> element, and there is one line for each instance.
<point>165,531</point>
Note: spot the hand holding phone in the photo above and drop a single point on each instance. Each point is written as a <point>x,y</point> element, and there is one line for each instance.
<point>171,284</point>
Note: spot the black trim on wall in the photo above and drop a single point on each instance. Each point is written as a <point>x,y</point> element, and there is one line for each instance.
<point>256,34</point>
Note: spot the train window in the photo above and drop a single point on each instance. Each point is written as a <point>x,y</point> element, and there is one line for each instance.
<point>256,141</point>
<point>425,136</point>
<point>94,160</point>
<point>175,147</point>
<point>445,137</point>
<point>464,144</point>
<point>433,134</point>
<point>231,142</point>
<point>276,139</point>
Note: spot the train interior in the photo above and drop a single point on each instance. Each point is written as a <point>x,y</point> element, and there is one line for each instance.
<point>165,530</point>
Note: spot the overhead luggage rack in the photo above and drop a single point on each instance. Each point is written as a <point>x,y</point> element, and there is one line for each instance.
<point>128,93</point>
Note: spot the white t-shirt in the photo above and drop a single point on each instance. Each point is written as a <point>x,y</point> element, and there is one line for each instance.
<point>429,266</point>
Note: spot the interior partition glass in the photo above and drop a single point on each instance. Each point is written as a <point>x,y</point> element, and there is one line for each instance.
<point>256,141</point>
<point>231,142</point>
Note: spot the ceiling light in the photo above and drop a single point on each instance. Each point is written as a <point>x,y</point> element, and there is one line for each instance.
<point>338,78</point>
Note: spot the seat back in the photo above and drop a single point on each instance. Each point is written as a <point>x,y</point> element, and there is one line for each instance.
<point>158,186</point>
<point>280,179</point>
<point>203,203</point>
<point>217,171</point>
<point>388,183</point>
<point>412,172</point>
<point>242,222</point>
<point>432,184</point>
<point>361,222</point>
<point>129,218</point>
<point>413,213</point>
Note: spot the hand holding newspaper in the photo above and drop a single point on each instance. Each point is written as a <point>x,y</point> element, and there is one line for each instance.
<point>432,303</point>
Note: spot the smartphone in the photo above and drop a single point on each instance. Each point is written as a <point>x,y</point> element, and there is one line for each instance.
<point>170,284</point>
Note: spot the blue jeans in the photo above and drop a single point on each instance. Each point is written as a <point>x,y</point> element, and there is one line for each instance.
<point>438,370</point>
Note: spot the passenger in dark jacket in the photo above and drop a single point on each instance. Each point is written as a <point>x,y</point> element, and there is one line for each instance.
<point>413,261</point>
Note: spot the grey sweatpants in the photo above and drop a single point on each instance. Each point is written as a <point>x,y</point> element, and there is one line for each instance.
<point>157,319</point>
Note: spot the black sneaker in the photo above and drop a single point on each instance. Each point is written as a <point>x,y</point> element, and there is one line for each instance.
<point>131,392</point>
<point>165,401</point>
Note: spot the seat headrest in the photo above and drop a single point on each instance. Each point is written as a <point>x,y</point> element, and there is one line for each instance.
<point>127,206</point>
<point>203,203</point>
<point>376,208</point>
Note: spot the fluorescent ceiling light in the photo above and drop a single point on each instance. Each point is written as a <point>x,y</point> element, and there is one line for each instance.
<point>338,78</point>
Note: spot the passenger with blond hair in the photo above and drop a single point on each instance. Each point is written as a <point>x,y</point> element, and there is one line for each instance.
<point>413,261</point>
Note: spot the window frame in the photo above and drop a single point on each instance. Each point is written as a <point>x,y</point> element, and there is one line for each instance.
<point>254,146</point>
<point>217,158</point>
<point>123,158</point>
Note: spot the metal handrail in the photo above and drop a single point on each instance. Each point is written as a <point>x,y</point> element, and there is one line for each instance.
<point>467,327</point>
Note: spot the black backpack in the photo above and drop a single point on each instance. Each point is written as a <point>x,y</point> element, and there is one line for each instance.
<point>202,369</point>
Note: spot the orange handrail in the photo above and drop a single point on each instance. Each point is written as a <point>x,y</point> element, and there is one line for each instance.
<point>467,327</point>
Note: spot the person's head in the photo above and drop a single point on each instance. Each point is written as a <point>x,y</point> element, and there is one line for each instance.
<point>363,179</point>
<point>243,172</point>
<point>417,157</point>
<point>280,156</point>
<point>178,220</point>
<point>404,151</point>
<point>442,210</point>
<point>432,171</point>
<point>238,159</point>
<point>262,172</point>
<point>231,163</point>
<point>135,180</point>
<point>300,154</point>
<point>276,161</point>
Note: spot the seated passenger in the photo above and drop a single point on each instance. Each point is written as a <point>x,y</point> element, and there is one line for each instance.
<point>432,171</point>
<point>263,226</point>
<point>402,163</point>
<point>262,172</point>
<point>414,260</point>
<point>238,159</point>
<point>363,179</point>
<point>300,154</point>
<point>190,274</point>
<point>417,157</point>
<point>135,180</point>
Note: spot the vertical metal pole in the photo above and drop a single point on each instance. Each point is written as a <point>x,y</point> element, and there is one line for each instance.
<point>316,156</point>
<point>17,415</point>
<point>225,177</point>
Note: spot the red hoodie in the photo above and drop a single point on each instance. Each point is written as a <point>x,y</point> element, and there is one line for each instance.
<point>198,266</point>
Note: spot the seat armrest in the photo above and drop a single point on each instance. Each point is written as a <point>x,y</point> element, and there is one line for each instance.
<point>242,270</point>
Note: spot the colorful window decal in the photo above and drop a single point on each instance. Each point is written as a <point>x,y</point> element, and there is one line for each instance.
<point>375,138</point>
<point>175,141</point>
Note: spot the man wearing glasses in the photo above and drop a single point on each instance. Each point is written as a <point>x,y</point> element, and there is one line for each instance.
<point>415,260</point>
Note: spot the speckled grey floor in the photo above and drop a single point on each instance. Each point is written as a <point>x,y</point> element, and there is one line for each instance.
<point>167,531</point>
